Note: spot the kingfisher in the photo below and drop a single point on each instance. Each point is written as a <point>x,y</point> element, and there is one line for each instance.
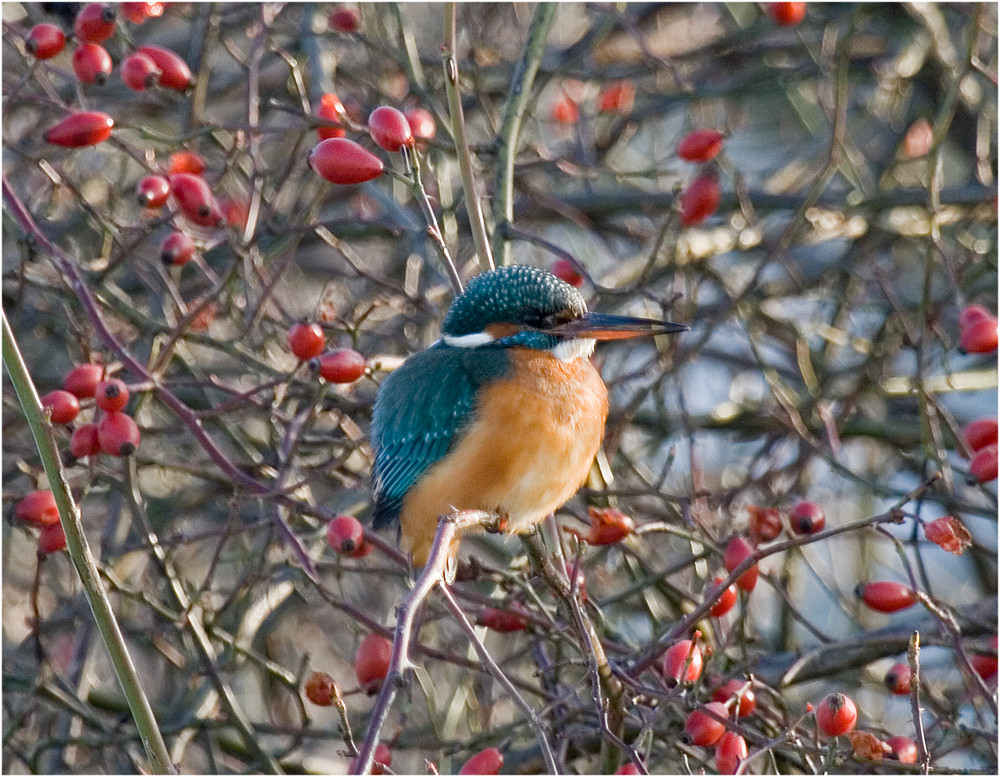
<point>504,413</point>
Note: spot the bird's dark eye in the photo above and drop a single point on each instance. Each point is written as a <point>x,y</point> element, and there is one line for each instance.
<point>537,320</point>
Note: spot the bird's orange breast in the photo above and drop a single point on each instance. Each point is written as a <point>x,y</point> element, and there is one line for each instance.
<point>528,449</point>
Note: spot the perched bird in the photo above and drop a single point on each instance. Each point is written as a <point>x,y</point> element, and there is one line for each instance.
<point>504,413</point>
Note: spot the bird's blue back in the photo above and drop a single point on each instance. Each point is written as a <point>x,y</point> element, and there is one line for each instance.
<point>420,411</point>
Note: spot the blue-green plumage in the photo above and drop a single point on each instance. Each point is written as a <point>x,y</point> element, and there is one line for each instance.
<point>419,411</point>
<point>423,406</point>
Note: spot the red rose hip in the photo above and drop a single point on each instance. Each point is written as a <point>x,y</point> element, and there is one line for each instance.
<point>95,23</point>
<point>63,406</point>
<point>807,518</point>
<point>886,595</point>
<point>682,662</point>
<point>195,199</point>
<point>389,128</point>
<point>176,249</point>
<point>342,365</point>
<point>730,752</point>
<point>118,434</point>
<point>486,761</point>
<point>701,145</point>
<point>139,72</point>
<point>174,72</point>
<point>700,200</point>
<point>81,129</point>
<point>38,508</point>
<point>371,662</point>
<point>701,729</point>
<point>344,162</point>
<point>306,340</point>
<point>91,64</point>
<point>321,689</point>
<point>84,441</point>
<point>836,715</point>
<point>82,380</point>
<point>111,395</point>
<point>152,191</point>
<point>45,41</point>
<point>737,551</point>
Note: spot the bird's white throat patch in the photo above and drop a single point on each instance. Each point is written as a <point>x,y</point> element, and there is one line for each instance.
<point>571,350</point>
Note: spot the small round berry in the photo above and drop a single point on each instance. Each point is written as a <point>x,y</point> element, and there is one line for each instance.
<point>306,340</point>
<point>45,41</point>
<point>345,535</point>
<point>389,128</point>
<point>682,662</point>
<point>82,380</point>
<point>886,595</point>
<point>62,405</point>
<point>422,123</point>
<point>92,63</point>
<point>565,111</point>
<point>700,200</point>
<point>765,523</point>
<point>629,768</point>
<point>739,550</point>
<point>836,714</point>
<point>904,749</point>
<point>501,620</point>
<point>972,313</point>
<point>486,761</point>
<point>618,97</point>
<point>87,128</point>
<point>331,109</point>
<point>701,729</point>
<point>321,689</point>
<point>787,14</point>
<point>733,689</point>
<point>341,365</point>
<point>111,395</point>
<point>137,13</point>
<point>980,433</point>
<point>807,518</point>
<point>174,72</point>
<point>980,336</point>
<point>84,441</point>
<point>371,662</point>
<point>983,467</point>
<point>344,162</point>
<point>701,145</point>
<point>51,538</point>
<point>176,249</point>
<point>139,72</point>
<point>194,197</point>
<point>344,19</point>
<point>38,508</point>
<point>118,434</point>
<point>95,23</point>
<point>186,162</point>
<point>152,191</point>
<point>725,599</point>
<point>897,679</point>
<point>565,270</point>
<point>730,752</point>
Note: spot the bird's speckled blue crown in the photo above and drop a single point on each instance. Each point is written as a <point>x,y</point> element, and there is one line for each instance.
<point>512,294</point>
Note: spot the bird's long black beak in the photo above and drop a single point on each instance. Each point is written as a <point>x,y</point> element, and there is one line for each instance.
<point>605,326</point>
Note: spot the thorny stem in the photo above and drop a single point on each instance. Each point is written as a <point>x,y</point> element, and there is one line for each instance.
<point>472,203</point>
<point>432,574</point>
<point>83,559</point>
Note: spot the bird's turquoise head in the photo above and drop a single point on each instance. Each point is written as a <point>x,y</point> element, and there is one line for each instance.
<point>513,295</point>
<point>526,306</point>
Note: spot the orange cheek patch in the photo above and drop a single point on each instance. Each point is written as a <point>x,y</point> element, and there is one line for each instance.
<point>498,331</point>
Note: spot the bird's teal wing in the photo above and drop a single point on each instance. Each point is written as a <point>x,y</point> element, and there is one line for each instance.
<point>420,410</point>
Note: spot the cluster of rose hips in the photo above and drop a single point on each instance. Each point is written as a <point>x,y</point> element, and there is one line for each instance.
<point>617,97</point>
<point>340,365</point>
<point>115,433</point>
<point>700,198</point>
<point>38,509</point>
<point>981,438</point>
